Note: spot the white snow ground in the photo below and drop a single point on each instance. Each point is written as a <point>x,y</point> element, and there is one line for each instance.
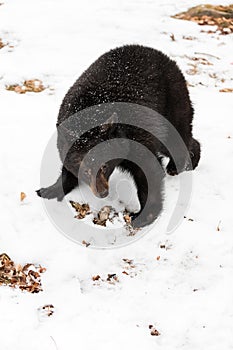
<point>55,41</point>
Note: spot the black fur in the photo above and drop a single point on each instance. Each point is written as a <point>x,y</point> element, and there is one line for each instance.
<point>133,74</point>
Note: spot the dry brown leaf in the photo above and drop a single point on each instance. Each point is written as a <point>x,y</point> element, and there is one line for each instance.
<point>22,196</point>
<point>86,243</point>
<point>226,90</point>
<point>125,273</point>
<point>127,218</point>
<point>103,215</point>
<point>96,278</point>
<point>128,261</point>
<point>81,209</point>
<point>112,278</point>
<point>153,330</point>
<point>2,44</point>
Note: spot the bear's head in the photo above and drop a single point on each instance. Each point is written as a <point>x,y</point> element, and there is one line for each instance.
<point>93,157</point>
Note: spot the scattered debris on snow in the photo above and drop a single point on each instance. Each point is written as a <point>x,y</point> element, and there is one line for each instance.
<point>104,215</point>
<point>33,85</point>
<point>129,262</point>
<point>25,277</point>
<point>86,243</point>
<point>96,278</point>
<point>218,227</point>
<point>153,330</point>
<point>130,268</point>
<point>46,310</point>
<point>81,209</point>
<point>111,278</point>
<point>2,44</point>
<point>219,16</point>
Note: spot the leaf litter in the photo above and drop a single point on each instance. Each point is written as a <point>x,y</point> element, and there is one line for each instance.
<point>27,277</point>
<point>33,85</point>
<point>104,215</point>
<point>219,16</point>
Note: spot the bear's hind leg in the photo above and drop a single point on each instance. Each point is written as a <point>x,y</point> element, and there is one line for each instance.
<point>195,152</point>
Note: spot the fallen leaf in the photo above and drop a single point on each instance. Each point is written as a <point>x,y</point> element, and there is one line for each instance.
<point>153,330</point>
<point>86,243</point>
<point>226,90</point>
<point>103,215</point>
<point>127,218</point>
<point>81,209</point>
<point>128,261</point>
<point>96,278</point>
<point>22,196</point>
<point>112,277</point>
<point>2,44</point>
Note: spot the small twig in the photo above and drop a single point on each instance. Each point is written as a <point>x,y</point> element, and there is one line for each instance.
<point>218,227</point>
<point>172,36</point>
<point>207,54</point>
<point>54,342</point>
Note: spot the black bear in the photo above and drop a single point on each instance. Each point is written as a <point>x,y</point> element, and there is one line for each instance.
<point>139,76</point>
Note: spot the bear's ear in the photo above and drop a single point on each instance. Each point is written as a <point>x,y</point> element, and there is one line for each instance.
<point>109,123</point>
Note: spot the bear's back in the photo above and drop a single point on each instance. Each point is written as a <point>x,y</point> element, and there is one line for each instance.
<point>132,73</point>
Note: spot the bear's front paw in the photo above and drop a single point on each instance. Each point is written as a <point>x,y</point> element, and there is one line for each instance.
<point>50,193</point>
<point>141,219</point>
<point>175,169</point>
<point>171,168</point>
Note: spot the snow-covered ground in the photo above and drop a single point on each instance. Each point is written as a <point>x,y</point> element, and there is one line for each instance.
<point>184,290</point>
